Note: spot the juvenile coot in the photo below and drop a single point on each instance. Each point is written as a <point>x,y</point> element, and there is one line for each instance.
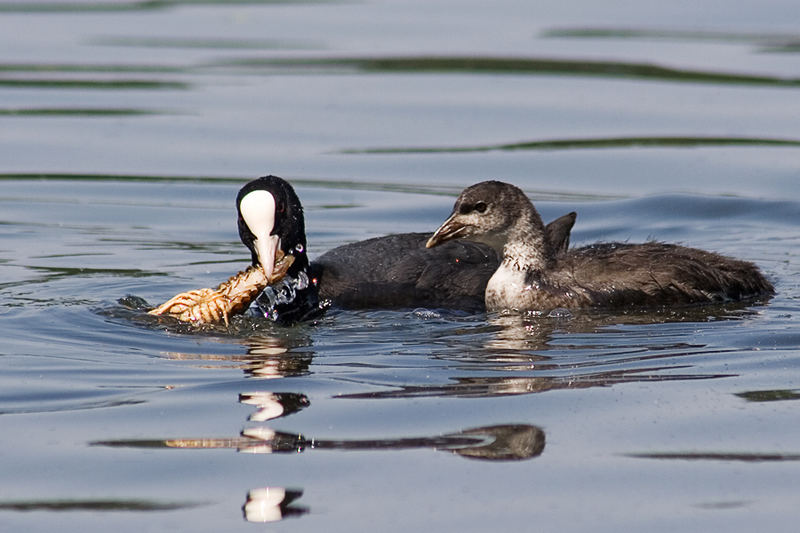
<point>532,276</point>
<point>395,271</point>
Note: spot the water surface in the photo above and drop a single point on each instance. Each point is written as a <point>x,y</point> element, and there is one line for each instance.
<point>126,129</point>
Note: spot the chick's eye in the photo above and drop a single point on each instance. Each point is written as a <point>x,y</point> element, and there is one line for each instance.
<point>481,207</point>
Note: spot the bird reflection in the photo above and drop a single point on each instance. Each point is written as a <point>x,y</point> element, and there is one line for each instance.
<point>272,504</point>
<point>522,348</point>
<point>503,442</point>
<point>270,358</point>
<point>272,405</point>
<point>267,357</point>
<point>534,331</point>
<point>517,332</point>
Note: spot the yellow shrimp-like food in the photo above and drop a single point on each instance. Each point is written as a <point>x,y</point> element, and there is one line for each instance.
<point>212,306</point>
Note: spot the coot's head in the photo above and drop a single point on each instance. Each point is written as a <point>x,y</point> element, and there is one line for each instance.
<point>486,212</point>
<point>271,219</point>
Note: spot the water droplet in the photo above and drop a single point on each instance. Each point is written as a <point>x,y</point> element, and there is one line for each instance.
<point>302,281</point>
<point>560,312</point>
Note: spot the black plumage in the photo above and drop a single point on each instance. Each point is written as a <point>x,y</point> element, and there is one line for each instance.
<point>399,271</point>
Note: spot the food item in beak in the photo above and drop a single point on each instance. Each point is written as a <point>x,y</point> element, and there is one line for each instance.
<point>211,306</point>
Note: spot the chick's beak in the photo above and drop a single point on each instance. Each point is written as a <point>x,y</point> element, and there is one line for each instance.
<point>450,229</point>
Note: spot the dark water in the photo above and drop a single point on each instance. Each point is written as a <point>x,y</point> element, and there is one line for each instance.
<point>126,129</point>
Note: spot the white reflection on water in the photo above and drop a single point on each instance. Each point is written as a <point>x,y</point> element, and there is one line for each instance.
<point>271,504</point>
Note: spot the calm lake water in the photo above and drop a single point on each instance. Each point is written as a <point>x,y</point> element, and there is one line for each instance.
<point>126,129</point>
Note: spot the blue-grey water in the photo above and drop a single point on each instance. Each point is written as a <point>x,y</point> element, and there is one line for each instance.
<point>126,129</point>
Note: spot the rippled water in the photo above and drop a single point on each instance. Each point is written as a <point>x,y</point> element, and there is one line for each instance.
<point>126,129</point>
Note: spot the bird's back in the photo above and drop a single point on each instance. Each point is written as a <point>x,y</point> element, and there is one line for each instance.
<point>397,271</point>
<point>654,273</point>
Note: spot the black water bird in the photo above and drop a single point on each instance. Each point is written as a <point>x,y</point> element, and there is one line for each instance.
<point>394,271</point>
<point>533,276</point>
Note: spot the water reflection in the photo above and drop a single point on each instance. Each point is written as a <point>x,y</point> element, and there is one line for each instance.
<point>585,143</point>
<point>272,405</point>
<point>77,112</point>
<point>94,84</point>
<point>489,387</point>
<point>671,34</point>
<point>272,504</point>
<point>271,357</point>
<point>495,66</point>
<point>531,354</point>
<point>720,456</point>
<point>556,352</point>
<point>113,6</point>
<point>777,395</point>
<point>101,505</point>
<point>511,343</point>
<point>267,357</point>
<point>502,442</point>
<point>497,442</point>
<point>530,331</point>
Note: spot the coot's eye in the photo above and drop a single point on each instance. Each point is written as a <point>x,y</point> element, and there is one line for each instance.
<point>480,207</point>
